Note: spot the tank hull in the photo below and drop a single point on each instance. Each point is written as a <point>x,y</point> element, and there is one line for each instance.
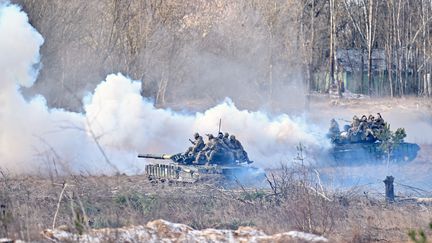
<point>174,172</point>
<point>354,153</point>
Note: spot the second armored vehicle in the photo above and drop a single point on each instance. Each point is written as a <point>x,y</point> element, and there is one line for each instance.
<point>369,140</point>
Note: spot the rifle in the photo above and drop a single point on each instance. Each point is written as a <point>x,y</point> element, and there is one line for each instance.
<point>341,119</point>
<point>192,141</point>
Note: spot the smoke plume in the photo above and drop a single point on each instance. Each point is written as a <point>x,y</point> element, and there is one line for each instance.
<point>117,123</point>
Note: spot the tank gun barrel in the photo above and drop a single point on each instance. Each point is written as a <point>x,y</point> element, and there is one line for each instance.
<point>154,156</point>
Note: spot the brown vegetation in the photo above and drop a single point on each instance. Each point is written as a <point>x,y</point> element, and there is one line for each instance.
<point>295,201</point>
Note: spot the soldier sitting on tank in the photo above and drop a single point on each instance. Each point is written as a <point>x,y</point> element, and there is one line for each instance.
<point>354,126</point>
<point>217,154</point>
<point>334,131</point>
<point>344,136</point>
<point>239,153</point>
<point>379,121</point>
<point>222,151</point>
<point>355,133</point>
<point>202,154</point>
<point>372,125</point>
<point>226,140</point>
<point>371,120</point>
<point>198,145</point>
<point>365,131</point>
<point>223,142</point>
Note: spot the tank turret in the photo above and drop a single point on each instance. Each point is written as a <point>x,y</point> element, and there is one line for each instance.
<point>369,140</point>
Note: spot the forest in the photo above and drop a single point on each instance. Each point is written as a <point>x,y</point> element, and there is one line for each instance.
<point>205,50</point>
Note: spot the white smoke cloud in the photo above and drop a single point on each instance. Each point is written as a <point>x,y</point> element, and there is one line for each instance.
<point>35,138</point>
<point>30,133</point>
<point>127,121</point>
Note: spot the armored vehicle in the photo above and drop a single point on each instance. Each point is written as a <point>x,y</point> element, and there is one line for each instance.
<point>372,152</point>
<point>369,140</point>
<point>223,165</point>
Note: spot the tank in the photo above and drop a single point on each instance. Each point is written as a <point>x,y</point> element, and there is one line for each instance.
<point>185,169</point>
<point>362,142</point>
<point>371,152</point>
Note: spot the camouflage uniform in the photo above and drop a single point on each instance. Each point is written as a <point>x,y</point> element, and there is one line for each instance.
<point>203,154</point>
<point>379,121</point>
<point>227,141</point>
<point>370,121</point>
<point>221,142</point>
<point>239,153</point>
<point>220,153</point>
<point>216,151</point>
<point>354,126</point>
<point>198,145</point>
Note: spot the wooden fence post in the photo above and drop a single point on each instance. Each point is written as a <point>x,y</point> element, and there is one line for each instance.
<point>389,189</point>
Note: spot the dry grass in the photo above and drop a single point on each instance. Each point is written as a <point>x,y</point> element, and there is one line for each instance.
<point>295,201</point>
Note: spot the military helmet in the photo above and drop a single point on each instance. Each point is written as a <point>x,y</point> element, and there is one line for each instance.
<point>196,135</point>
<point>226,135</point>
<point>232,137</point>
<point>210,136</point>
<point>220,135</point>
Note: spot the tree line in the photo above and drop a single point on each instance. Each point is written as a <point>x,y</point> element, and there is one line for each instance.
<point>209,49</point>
<point>396,30</point>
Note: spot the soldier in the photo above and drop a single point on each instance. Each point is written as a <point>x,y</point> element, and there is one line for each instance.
<point>220,152</point>
<point>197,145</point>
<point>363,127</point>
<point>189,150</point>
<point>379,121</point>
<point>239,153</point>
<point>371,120</point>
<point>217,149</point>
<point>365,131</point>
<point>334,130</point>
<point>202,155</point>
<point>226,140</point>
<point>354,125</point>
<point>220,135</point>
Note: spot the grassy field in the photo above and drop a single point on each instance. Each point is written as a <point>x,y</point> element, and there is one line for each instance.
<point>293,198</point>
<point>294,201</point>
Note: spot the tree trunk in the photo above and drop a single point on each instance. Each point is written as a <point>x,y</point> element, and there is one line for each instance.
<point>333,82</point>
<point>369,45</point>
<point>429,78</point>
<point>163,85</point>
<point>311,48</point>
<point>369,72</point>
<point>270,64</point>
